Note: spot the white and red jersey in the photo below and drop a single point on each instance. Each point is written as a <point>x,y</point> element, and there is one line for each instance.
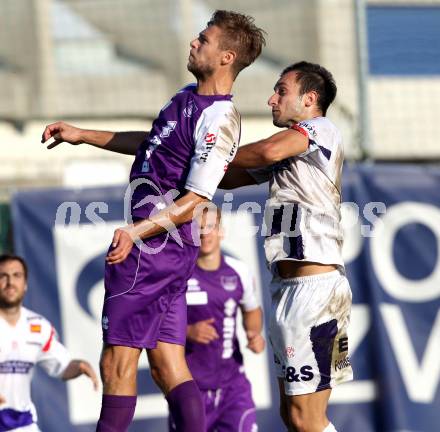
<point>303,217</point>
<point>31,341</point>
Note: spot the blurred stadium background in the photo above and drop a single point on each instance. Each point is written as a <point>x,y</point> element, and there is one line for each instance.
<point>112,64</point>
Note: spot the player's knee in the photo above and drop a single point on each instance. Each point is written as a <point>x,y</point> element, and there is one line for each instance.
<point>303,419</point>
<point>117,370</point>
<point>160,375</point>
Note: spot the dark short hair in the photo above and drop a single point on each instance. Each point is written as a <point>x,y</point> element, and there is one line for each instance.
<point>239,34</point>
<point>314,77</point>
<point>9,257</point>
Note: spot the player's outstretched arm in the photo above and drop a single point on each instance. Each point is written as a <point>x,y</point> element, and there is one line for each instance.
<point>119,142</point>
<point>236,177</point>
<point>2,399</point>
<point>182,210</point>
<point>282,145</point>
<point>253,325</point>
<point>80,367</point>
<point>202,331</point>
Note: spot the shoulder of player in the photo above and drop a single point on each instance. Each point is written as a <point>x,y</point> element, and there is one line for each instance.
<point>318,125</point>
<point>237,265</point>
<point>37,323</point>
<point>222,112</point>
<point>221,107</point>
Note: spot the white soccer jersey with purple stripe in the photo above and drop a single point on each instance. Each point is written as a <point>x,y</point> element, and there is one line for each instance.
<point>31,341</point>
<point>303,217</point>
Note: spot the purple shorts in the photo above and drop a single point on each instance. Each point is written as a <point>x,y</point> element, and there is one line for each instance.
<point>229,409</point>
<point>145,295</point>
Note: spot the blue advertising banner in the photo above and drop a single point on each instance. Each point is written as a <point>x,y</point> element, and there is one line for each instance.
<point>391,219</point>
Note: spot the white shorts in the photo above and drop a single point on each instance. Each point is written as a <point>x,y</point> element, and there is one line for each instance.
<point>308,331</point>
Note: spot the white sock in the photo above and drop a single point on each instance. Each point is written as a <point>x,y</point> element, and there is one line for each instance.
<point>330,428</point>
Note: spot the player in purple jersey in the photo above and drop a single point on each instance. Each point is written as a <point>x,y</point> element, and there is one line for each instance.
<point>184,156</point>
<point>219,286</point>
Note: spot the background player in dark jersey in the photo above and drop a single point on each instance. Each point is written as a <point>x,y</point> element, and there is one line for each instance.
<point>219,286</point>
<point>187,150</point>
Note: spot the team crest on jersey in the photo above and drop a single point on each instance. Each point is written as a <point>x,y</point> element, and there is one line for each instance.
<point>190,109</point>
<point>35,328</point>
<point>290,351</point>
<point>229,283</point>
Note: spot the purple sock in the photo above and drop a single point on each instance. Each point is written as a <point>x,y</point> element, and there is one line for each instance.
<point>116,413</point>
<point>187,408</point>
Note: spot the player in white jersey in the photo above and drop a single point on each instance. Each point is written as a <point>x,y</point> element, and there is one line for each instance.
<point>311,297</point>
<point>27,339</point>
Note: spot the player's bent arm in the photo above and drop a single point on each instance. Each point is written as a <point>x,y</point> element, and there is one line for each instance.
<point>253,325</point>
<point>119,142</point>
<point>282,145</point>
<point>182,210</point>
<point>236,177</point>
<point>80,367</point>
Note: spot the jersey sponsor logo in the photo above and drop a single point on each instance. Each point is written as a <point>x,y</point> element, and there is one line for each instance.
<point>342,364</point>
<point>310,129</point>
<point>190,109</point>
<point>35,328</point>
<point>343,344</point>
<point>193,285</point>
<point>304,374</point>
<point>229,328</point>
<point>15,367</point>
<point>210,140</point>
<point>229,283</point>
<point>233,151</point>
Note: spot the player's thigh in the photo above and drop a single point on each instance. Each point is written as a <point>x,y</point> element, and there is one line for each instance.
<point>168,365</point>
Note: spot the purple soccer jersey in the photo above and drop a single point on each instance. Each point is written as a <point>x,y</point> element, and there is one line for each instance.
<point>189,147</point>
<point>217,367</point>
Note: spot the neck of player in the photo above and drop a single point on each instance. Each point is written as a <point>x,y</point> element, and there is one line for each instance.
<point>210,261</point>
<point>10,314</point>
<point>214,85</point>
